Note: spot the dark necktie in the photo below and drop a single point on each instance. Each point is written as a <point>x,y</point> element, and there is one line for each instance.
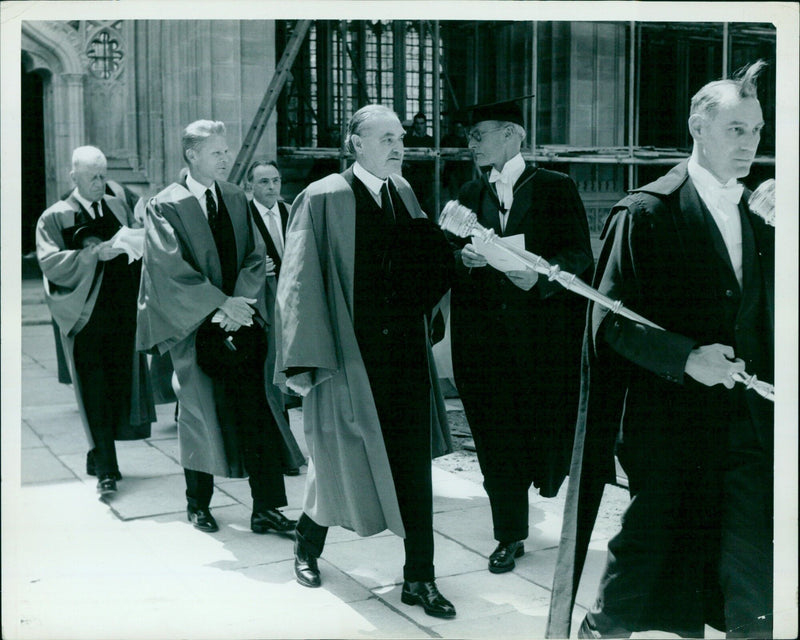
<point>386,202</point>
<point>97,211</point>
<point>211,209</point>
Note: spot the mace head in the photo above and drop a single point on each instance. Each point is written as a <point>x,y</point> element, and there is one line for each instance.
<point>458,219</point>
<point>762,201</point>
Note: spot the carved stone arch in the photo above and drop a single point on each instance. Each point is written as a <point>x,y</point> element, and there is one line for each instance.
<point>54,46</point>
<point>54,49</point>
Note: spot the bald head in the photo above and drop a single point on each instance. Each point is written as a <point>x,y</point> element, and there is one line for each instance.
<point>89,172</point>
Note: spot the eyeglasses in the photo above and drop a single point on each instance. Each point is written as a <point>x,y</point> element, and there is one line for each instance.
<point>476,135</point>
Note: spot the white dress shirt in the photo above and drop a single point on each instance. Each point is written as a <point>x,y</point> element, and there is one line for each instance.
<point>272,220</point>
<point>86,204</point>
<point>722,201</point>
<point>199,191</point>
<point>504,183</point>
<point>372,182</point>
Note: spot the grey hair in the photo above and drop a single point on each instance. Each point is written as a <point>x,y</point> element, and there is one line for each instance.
<point>742,84</point>
<point>261,163</point>
<point>86,155</point>
<point>198,132</point>
<point>359,118</point>
<point>518,129</point>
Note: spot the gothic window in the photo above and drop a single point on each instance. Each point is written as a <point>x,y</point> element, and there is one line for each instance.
<point>378,53</point>
<point>345,65</point>
<point>105,55</point>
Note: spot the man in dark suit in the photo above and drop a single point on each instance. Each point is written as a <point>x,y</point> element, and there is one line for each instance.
<point>202,264</point>
<point>686,253</point>
<point>270,215</point>
<point>516,336</point>
<point>362,267</point>
<point>91,286</point>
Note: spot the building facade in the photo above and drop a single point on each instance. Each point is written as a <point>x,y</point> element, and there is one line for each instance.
<point>606,102</point>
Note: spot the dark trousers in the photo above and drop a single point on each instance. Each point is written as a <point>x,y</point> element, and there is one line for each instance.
<point>398,376</point>
<point>512,417</point>
<point>243,410</point>
<point>504,445</point>
<point>103,356</point>
<point>677,511</point>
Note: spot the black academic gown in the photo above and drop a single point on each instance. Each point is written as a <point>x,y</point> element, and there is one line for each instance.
<point>516,354</point>
<point>665,259</point>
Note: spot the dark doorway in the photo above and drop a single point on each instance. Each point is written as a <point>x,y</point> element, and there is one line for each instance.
<point>34,197</point>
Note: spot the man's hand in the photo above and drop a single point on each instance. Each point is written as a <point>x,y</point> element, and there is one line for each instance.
<point>471,258</point>
<point>238,311</point>
<point>523,279</point>
<point>270,266</point>
<point>713,364</point>
<point>105,251</point>
<point>229,325</point>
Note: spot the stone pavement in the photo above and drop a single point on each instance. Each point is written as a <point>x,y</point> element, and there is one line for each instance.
<point>75,567</point>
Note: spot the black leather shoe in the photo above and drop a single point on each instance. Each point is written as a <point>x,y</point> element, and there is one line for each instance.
<point>502,558</point>
<point>91,471</point>
<point>305,567</point>
<point>291,471</point>
<point>106,485</point>
<point>271,520</point>
<point>426,594</point>
<point>201,519</point>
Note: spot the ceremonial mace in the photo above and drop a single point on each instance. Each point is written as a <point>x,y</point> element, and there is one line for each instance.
<point>463,222</point>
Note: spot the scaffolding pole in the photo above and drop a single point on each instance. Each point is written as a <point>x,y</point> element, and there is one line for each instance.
<point>534,84</point>
<point>437,120</point>
<point>631,103</point>
<point>282,73</point>
<point>725,49</point>
<point>342,91</point>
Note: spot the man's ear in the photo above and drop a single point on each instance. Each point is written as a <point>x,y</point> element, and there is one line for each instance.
<point>697,124</point>
<point>355,140</point>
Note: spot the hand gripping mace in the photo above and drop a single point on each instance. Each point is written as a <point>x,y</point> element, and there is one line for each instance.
<point>463,222</point>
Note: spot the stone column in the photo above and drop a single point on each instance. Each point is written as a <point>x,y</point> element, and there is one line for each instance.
<point>67,116</point>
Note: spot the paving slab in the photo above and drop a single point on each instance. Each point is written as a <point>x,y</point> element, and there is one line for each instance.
<point>377,561</point>
<point>56,394</point>
<point>453,493</point>
<point>476,596</point>
<point>335,582</point>
<point>138,497</point>
<point>29,439</point>
<point>41,465</point>
<point>240,489</point>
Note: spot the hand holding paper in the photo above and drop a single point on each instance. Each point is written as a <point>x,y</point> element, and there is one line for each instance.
<point>499,258</point>
<point>131,241</point>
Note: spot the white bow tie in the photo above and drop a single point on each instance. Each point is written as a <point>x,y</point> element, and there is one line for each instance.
<point>498,176</point>
<point>731,192</point>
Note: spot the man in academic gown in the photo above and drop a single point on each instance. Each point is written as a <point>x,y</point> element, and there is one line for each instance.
<point>202,263</point>
<point>270,215</point>
<point>686,253</point>
<point>361,268</point>
<point>91,285</point>
<point>516,336</point>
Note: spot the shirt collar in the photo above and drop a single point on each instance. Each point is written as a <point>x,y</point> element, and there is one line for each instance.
<point>86,204</point>
<point>370,180</point>
<point>263,209</point>
<point>511,172</point>
<point>707,185</point>
<point>198,190</point>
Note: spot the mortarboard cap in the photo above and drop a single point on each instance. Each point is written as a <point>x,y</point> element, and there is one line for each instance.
<point>502,111</point>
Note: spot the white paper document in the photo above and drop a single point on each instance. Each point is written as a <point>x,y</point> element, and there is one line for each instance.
<point>131,241</point>
<point>498,257</point>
